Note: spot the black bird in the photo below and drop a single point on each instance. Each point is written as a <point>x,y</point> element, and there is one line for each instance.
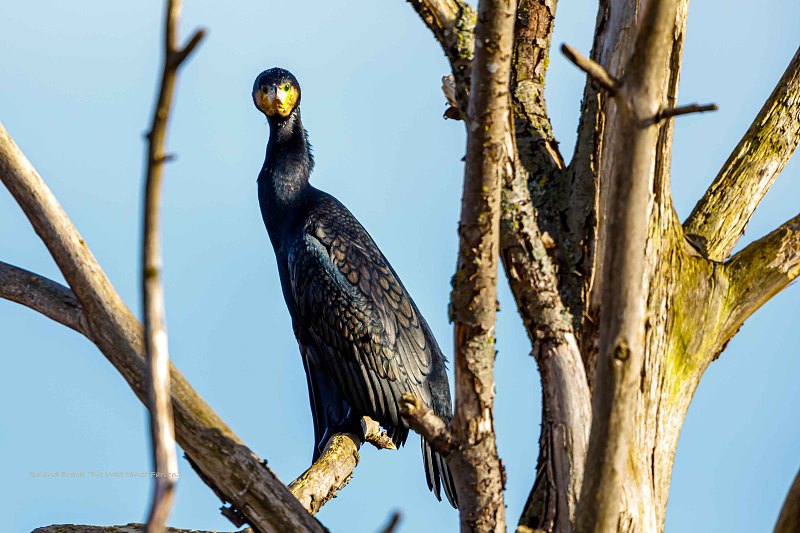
<point>362,339</point>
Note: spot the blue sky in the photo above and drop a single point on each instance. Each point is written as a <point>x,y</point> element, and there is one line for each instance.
<point>77,89</point>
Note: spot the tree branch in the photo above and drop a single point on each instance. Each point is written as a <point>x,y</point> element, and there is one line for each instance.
<point>622,326</point>
<point>668,113</point>
<point>424,421</point>
<point>789,519</point>
<point>316,486</point>
<point>128,528</point>
<point>162,432</point>
<point>237,473</point>
<point>49,298</point>
<point>334,468</point>
<point>476,468</point>
<point>758,273</point>
<point>721,216</point>
<point>594,70</point>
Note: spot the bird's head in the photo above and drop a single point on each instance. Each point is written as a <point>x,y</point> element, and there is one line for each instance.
<point>276,93</point>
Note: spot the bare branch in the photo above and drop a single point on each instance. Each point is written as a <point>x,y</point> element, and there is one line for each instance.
<point>162,432</point>
<point>237,473</point>
<point>330,473</point>
<point>49,298</point>
<point>424,421</point>
<point>721,216</point>
<point>566,409</point>
<point>594,70</point>
<point>665,114</point>
<point>759,272</point>
<point>789,519</point>
<point>128,528</point>
<point>622,327</point>
<point>477,471</point>
<point>334,468</point>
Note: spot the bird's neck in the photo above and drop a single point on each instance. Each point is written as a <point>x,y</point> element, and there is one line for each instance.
<point>288,164</point>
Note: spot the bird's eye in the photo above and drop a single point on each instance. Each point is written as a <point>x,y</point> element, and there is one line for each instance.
<point>264,89</point>
<point>287,87</point>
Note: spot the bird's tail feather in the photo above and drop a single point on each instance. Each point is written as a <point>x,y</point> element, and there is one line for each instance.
<point>438,474</point>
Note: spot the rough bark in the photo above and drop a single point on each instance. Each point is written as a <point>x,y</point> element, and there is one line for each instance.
<point>720,217</point>
<point>334,468</point>
<point>476,467</point>
<point>622,325</point>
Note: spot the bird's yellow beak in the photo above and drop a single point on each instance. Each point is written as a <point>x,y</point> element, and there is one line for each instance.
<point>276,100</point>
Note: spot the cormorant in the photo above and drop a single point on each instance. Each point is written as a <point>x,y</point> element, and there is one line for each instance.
<point>362,339</point>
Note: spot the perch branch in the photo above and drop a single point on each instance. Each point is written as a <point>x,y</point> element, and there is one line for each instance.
<point>789,519</point>
<point>622,329</point>
<point>721,216</point>
<point>326,476</point>
<point>236,472</point>
<point>759,272</point>
<point>45,296</point>
<point>334,468</point>
<point>162,432</point>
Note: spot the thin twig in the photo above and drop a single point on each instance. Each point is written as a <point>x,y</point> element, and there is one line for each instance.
<point>162,431</point>
<point>595,70</point>
<point>683,110</point>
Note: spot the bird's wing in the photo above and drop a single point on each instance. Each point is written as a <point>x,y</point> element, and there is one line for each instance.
<point>359,318</point>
